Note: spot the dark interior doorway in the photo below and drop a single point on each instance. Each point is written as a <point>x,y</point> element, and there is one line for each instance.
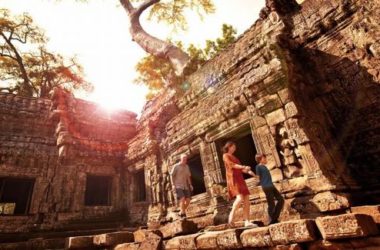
<point>197,174</point>
<point>245,150</point>
<point>139,184</point>
<point>18,191</point>
<point>98,190</point>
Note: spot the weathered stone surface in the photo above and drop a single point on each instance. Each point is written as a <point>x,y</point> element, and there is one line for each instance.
<point>183,242</point>
<point>256,237</point>
<point>346,226</point>
<point>141,234</point>
<point>328,201</point>
<point>229,239</point>
<point>312,72</point>
<point>373,211</point>
<point>207,240</point>
<point>296,231</point>
<point>79,242</point>
<point>127,246</point>
<point>111,239</point>
<point>178,227</point>
<point>275,117</point>
<point>152,241</point>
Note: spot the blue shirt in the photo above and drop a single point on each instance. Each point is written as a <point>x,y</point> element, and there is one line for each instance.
<point>265,177</point>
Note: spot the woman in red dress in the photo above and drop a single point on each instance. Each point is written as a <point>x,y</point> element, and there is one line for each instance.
<point>236,184</point>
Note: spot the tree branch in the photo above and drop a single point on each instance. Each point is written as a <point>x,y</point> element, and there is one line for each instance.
<point>127,6</point>
<point>154,46</point>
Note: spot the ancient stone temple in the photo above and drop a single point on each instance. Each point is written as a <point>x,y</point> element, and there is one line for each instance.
<point>302,85</point>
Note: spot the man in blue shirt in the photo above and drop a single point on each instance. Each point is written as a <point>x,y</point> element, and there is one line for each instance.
<point>269,189</point>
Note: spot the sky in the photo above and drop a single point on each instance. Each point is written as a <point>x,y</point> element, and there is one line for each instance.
<point>97,33</point>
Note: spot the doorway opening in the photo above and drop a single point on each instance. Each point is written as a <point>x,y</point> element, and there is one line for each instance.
<point>197,174</point>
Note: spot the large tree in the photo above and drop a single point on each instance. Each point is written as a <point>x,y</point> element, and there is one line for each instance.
<point>26,66</point>
<point>156,73</point>
<point>171,12</point>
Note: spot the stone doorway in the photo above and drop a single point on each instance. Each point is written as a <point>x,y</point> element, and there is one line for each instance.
<point>197,174</point>
<point>17,194</point>
<point>98,190</point>
<point>246,149</point>
<point>139,190</point>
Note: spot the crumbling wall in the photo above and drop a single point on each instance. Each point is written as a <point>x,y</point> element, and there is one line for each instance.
<point>57,144</point>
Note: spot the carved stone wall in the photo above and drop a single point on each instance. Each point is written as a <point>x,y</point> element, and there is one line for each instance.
<point>303,82</point>
<point>57,143</point>
<point>300,79</point>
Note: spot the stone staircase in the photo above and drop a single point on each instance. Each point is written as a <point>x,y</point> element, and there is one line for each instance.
<point>358,229</point>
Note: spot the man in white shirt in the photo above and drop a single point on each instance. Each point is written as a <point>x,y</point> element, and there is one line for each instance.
<point>181,180</point>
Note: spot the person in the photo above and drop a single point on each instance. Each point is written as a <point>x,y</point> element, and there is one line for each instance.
<point>271,193</point>
<point>236,184</point>
<point>181,178</point>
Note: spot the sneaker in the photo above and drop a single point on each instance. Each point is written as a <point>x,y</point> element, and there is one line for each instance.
<point>250,224</point>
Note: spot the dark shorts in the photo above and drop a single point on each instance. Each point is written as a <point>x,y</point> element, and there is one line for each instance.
<point>182,193</point>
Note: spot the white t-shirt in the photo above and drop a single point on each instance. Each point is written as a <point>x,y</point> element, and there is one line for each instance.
<point>180,175</point>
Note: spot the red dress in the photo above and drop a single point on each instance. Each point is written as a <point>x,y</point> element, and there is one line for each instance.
<point>235,180</point>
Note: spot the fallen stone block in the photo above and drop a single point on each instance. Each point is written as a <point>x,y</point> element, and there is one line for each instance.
<point>207,240</point>
<point>229,239</point>
<point>346,226</point>
<point>141,234</point>
<point>328,201</point>
<point>256,237</point>
<point>111,239</point>
<point>178,227</point>
<point>127,246</point>
<point>296,231</point>
<point>153,241</point>
<point>183,242</point>
<point>373,211</point>
<point>79,242</point>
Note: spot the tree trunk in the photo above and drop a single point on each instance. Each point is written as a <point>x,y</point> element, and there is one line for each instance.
<point>154,46</point>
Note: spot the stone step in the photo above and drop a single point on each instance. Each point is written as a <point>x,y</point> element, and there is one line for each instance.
<point>112,239</point>
<point>346,226</point>
<point>178,227</point>
<point>80,242</point>
<point>294,234</point>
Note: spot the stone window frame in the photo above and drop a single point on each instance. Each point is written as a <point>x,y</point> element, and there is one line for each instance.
<point>31,196</point>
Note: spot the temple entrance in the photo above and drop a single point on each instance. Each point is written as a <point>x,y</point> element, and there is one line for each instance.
<point>197,174</point>
<point>245,150</point>
<point>98,190</point>
<point>16,195</point>
<point>139,191</point>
